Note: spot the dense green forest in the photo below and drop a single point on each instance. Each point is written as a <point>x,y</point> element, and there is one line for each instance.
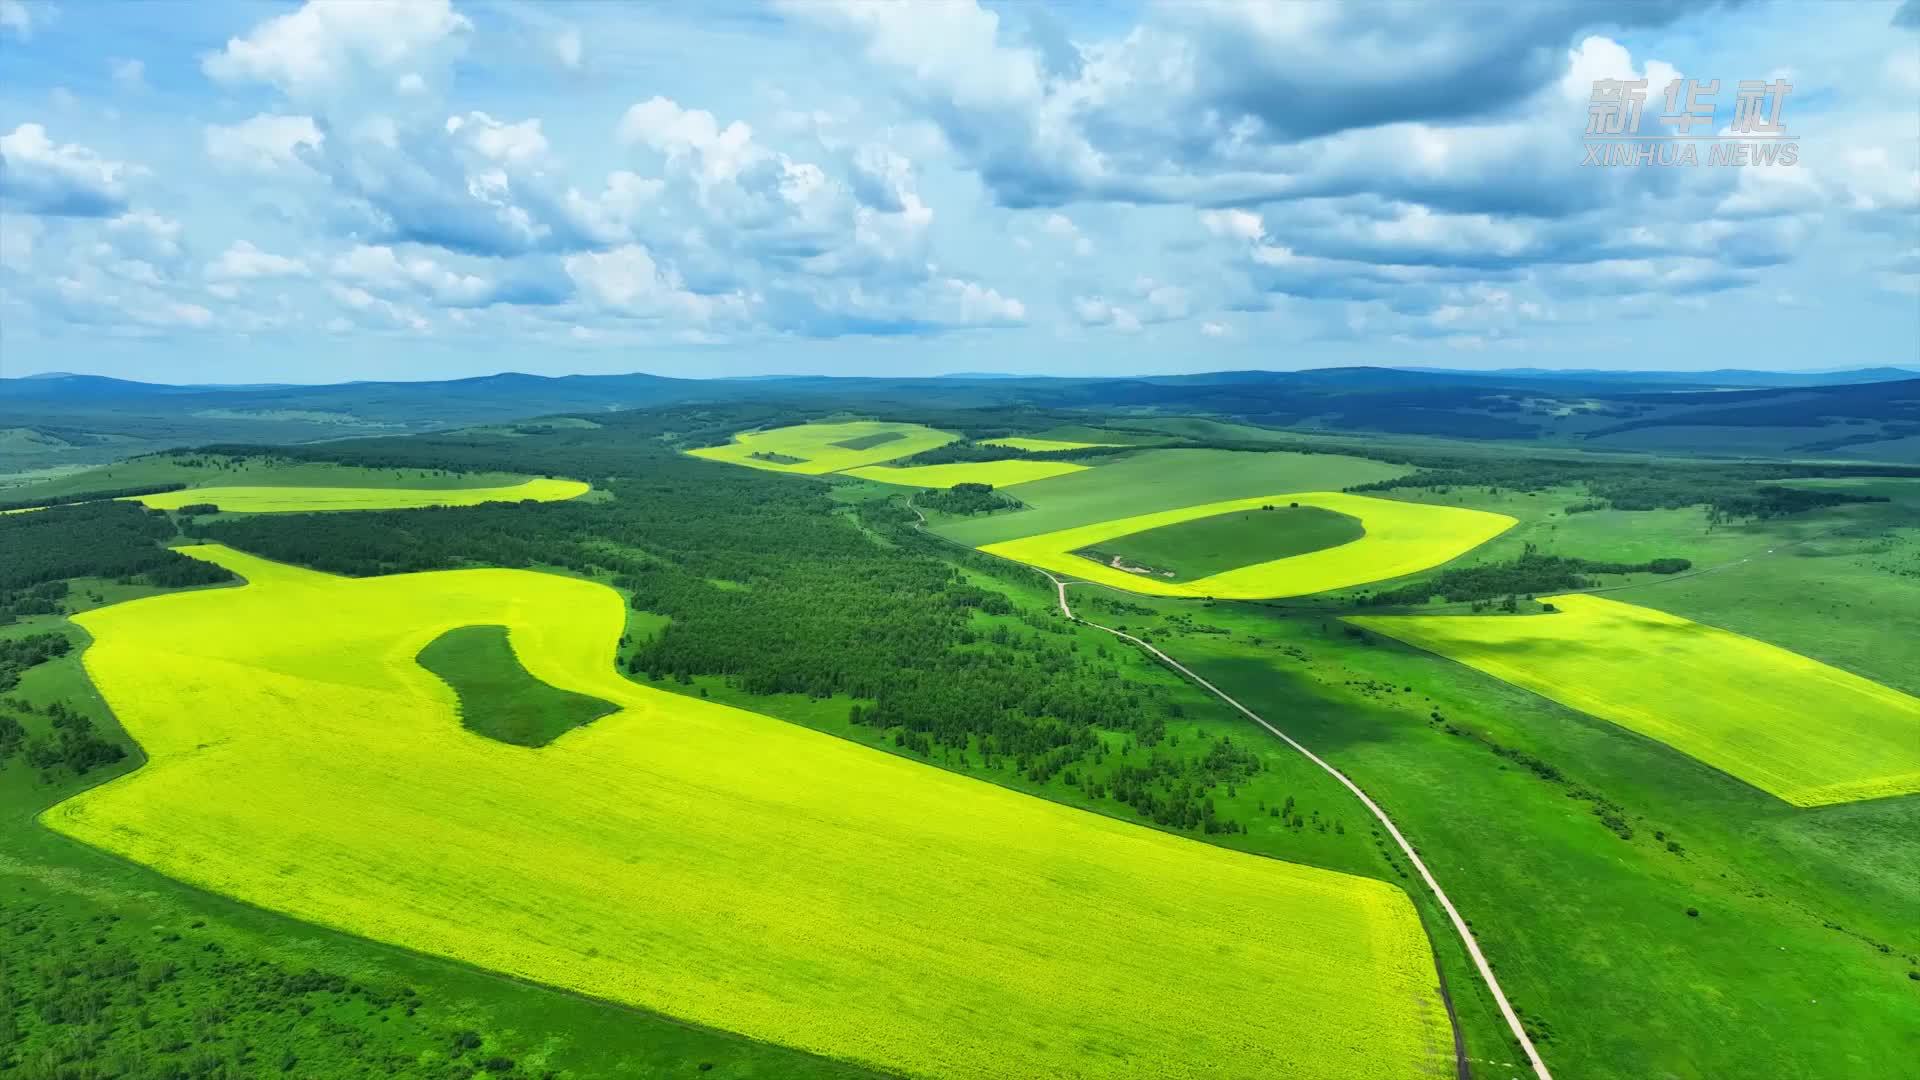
<point>966,499</point>
<point>1531,573</point>
<point>119,540</point>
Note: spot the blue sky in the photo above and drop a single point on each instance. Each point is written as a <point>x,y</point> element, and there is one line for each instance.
<point>349,189</point>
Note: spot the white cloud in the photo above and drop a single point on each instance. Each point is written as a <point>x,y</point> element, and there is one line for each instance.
<point>611,216</point>
<point>978,305</point>
<point>380,268</point>
<point>324,46</point>
<point>1098,311</point>
<point>364,303</point>
<point>1062,226</point>
<point>1238,224</point>
<point>515,145</point>
<point>628,280</point>
<point>243,262</point>
<point>264,142</point>
<point>60,179</point>
<point>146,235</point>
<point>1214,330</point>
<point>717,154</point>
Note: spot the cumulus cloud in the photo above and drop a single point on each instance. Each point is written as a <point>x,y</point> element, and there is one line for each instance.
<point>60,179</point>
<point>145,235</point>
<point>265,142</point>
<point>516,145</point>
<point>627,280</point>
<point>974,304</point>
<point>243,262</point>
<point>326,45</point>
<point>1099,311</point>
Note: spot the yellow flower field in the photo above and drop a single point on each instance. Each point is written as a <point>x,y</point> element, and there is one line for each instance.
<point>1402,538</point>
<point>714,864</point>
<point>1807,732</point>
<point>998,473</point>
<point>290,499</point>
<point>814,445</point>
<point>1041,446</point>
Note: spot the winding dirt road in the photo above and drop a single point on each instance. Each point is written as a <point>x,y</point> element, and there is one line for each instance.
<point>1459,924</point>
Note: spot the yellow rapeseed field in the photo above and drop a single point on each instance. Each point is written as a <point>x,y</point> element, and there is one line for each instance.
<point>1041,446</point>
<point>1402,538</point>
<point>288,499</point>
<point>1807,732</point>
<point>814,445</point>
<point>997,473</point>
<point>715,864</point>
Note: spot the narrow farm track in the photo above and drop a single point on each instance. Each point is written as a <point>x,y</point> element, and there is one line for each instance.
<point>1518,1030</point>
<point>1439,894</point>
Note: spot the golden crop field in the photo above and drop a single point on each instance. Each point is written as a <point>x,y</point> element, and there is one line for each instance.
<point>289,499</point>
<point>715,864</point>
<point>1401,538</point>
<point>1040,446</point>
<point>814,445</point>
<point>1807,732</point>
<point>998,473</point>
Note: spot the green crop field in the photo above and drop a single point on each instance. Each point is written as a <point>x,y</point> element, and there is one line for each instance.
<point>817,449</point>
<point>1149,481</point>
<point>710,862</point>
<point>1401,538</point>
<point>1212,545</point>
<point>1735,703</point>
<point>997,473</point>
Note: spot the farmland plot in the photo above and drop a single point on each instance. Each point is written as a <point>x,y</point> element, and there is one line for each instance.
<point>290,499</point>
<point>817,449</point>
<point>715,864</point>
<point>1804,731</point>
<point>1400,538</point>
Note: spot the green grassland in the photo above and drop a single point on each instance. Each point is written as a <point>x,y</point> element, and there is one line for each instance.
<point>497,696</point>
<point>1090,435</point>
<point>997,473</point>
<point>1156,480</point>
<point>1797,962</point>
<point>1211,545</point>
<point>331,783</point>
<point>817,449</point>
<point>1735,703</point>
<point>1044,445</point>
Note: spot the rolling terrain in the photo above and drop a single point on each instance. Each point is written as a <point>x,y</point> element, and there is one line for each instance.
<point>1650,894</point>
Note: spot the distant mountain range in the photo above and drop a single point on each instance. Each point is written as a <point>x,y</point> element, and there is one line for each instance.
<point>1739,377</point>
<point>63,418</point>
